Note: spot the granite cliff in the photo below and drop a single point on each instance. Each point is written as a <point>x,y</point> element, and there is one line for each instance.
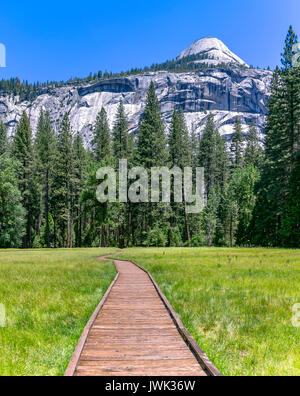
<point>229,90</point>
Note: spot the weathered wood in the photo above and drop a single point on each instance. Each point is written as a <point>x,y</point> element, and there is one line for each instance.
<point>76,356</point>
<point>202,358</point>
<point>133,333</point>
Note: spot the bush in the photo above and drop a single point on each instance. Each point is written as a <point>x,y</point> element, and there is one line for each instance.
<point>175,237</point>
<point>198,240</point>
<point>12,213</point>
<point>156,238</point>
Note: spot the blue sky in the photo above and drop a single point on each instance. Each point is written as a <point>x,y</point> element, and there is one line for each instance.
<point>59,39</point>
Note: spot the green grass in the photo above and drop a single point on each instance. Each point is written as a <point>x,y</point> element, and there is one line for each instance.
<point>49,296</point>
<point>237,303</point>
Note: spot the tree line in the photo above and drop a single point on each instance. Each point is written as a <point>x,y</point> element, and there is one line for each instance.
<point>30,91</point>
<point>48,183</point>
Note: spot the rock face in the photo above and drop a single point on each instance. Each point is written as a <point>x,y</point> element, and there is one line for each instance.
<point>227,93</point>
<point>215,51</point>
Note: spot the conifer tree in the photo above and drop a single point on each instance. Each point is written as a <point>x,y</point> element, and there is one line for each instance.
<point>122,149</point>
<point>151,140</point>
<point>181,156</point>
<point>290,76</point>
<point>289,50</point>
<point>151,151</point>
<point>194,141</point>
<point>282,143</point>
<point>120,134</point>
<point>23,152</point>
<point>179,141</point>
<point>242,192</point>
<point>213,157</point>
<point>101,142</point>
<point>237,144</point>
<point>79,176</point>
<point>63,183</point>
<point>291,216</point>
<point>210,214</point>
<point>254,151</point>
<point>44,147</point>
<point>273,186</point>
<point>12,213</point>
<point>3,139</point>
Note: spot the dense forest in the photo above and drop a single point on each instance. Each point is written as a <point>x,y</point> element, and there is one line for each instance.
<point>48,184</point>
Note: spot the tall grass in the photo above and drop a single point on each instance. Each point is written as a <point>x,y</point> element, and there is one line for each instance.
<point>237,303</point>
<point>49,295</point>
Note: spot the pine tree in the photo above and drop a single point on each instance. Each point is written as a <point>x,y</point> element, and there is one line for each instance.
<point>227,217</point>
<point>12,213</point>
<point>291,217</point>
<point>179,141</point>
<point>62,184</point>
<point>282,144</point>
<point>23,152</point>
<point>194,142</point>
<point>174,138</point>
<point>237,144</point>
<point>120,134</point>
<point>254,151</point>
<point>273,186</point>
<point>181,156</point>
<point>101,142</point>
<point>151,151</point>
<point>79,176</point>
<point>210,215</point>
<point>3,139</point>
<point>290,80</point>
<point>123,149</point>
<point>44,147</point>
<point>151,140</point>
<point>289,51</point>
<point>242,191</point>
<point>213,157</point>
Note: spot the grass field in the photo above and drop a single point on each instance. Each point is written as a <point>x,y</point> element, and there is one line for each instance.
<point>48,296</point>
<point>237,303</point>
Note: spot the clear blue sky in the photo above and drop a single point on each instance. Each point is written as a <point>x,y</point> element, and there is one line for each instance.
<point>59,39</point>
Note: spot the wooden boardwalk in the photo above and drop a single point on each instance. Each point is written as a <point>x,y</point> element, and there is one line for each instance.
<point>133,334</point>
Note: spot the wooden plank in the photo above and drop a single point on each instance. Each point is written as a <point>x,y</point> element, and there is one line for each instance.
<point>133,333</point>
<point>187,367</point>
<point>190,363</point>
<point>76,356</point>
<point>142,354</point>
<point>200,355</point>
<point>138,348</point>
<point>96,340</point>
<point>137,373</point>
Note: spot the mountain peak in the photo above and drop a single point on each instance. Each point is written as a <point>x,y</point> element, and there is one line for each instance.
<point>215,51</point>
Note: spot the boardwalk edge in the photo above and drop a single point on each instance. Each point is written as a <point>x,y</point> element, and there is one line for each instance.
<point>78,350</point>
<point>201,357</point>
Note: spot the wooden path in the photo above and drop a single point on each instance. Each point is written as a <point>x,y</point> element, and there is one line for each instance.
<point>134,333</point>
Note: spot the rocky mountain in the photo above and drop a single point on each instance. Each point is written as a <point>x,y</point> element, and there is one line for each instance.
<point>227,92</point>
<point>214,50</point>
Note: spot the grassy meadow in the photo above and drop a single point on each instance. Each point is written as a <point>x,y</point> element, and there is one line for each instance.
<point>49,295</point>
<point>237,303</point>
